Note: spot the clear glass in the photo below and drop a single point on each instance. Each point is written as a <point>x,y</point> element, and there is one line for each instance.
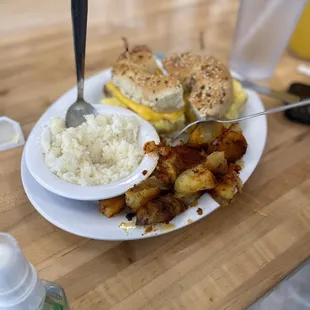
<point>262,33</point>
<point>55,298</point>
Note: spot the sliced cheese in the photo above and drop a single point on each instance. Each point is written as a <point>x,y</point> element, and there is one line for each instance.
<point>142,110</point>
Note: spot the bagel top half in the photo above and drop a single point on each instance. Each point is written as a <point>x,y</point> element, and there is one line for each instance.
<point>206,81</point>
<point>135,74</point>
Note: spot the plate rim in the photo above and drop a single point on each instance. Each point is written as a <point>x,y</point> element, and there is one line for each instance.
<point>127,237</point>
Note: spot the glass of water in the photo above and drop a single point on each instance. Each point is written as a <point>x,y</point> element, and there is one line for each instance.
<point>262,33</point>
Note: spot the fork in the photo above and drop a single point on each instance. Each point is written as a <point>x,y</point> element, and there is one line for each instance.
<point>269,111</point>
<point>277,94</point>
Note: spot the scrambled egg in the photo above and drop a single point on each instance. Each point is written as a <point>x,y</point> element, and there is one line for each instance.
<point>239,99</point>
<point>163,122</point>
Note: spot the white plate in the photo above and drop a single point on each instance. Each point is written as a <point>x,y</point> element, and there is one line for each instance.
<point>83,218</point>
<point>42,174</point>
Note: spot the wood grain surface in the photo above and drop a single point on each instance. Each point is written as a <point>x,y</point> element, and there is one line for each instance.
<point>226,260</point>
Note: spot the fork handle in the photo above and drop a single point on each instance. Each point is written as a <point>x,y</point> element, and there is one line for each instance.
<point>273,110</point>
<point>269,111</point>
<point>79,10</point>
<point>280,95</point>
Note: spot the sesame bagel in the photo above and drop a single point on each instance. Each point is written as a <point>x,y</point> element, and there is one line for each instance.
<point>135,75</point>
<point>206,80</point>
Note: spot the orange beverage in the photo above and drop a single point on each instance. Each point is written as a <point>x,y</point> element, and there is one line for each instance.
<point>300,40</point>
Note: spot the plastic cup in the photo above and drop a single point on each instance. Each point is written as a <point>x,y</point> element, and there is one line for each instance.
<point>262,32</point>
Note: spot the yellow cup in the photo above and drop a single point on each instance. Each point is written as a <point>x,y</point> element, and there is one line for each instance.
<point>300,40</point>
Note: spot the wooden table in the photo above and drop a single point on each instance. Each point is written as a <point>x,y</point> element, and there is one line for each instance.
<point>226,260</point>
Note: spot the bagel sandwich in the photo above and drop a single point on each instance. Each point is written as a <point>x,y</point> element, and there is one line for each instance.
<point>139,85</point>
<point>195,87</point>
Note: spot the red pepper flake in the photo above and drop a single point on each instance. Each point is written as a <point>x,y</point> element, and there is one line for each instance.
<point>199,211</point>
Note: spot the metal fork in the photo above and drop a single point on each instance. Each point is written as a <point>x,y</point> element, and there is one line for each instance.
<point>277,94</point>
<point>269,111</point>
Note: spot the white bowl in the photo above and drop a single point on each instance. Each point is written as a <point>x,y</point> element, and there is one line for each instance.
<point>43,175</point>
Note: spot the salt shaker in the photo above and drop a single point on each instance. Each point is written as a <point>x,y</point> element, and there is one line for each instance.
<point>20,286</point>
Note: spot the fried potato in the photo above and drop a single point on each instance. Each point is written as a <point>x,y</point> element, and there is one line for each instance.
<point>190,156</point>
<point>112,206</point>
<point>173,160</point>
<point>205,133</point>
<point>194,180</point>
<point>190,200</point>
<point>144,192</point>
<point>216,163</point>
<point>232,142</point>
<point>168,168</point>
<point>150,147</point>
<point>160,210</point>
<point>225,190</point>
<point>235,127</point>
<point>159,149</point>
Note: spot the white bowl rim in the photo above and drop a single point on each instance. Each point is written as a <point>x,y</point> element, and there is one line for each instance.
<point>43,175</point>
